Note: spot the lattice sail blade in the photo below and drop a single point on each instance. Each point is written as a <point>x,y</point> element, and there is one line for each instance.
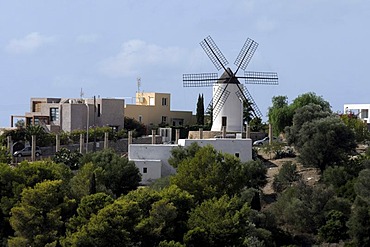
<point>209,109</point>
<point>246,54</point>
<point>221,96</point>
<point>268,78</point>
<point>214,53</point>
<point>199,80</point>
<point>245,94</point>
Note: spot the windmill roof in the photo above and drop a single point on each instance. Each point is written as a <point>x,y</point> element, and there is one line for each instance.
<point>224,78</point>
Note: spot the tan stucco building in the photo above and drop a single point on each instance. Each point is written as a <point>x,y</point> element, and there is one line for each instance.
<point>57,114</point>
<point>155,108</point>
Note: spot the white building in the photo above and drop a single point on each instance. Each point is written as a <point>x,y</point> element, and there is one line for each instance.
<point>360,110</point>
<point>152,159</point>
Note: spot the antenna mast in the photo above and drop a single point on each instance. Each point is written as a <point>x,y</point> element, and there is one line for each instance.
<point>138,81</point>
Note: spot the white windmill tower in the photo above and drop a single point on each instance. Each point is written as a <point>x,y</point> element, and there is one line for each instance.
<point>229,95</point>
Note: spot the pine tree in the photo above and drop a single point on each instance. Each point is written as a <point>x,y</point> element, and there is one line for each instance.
<point>200,110</point>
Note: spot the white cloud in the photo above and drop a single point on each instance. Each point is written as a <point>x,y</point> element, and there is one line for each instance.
<point>137,55</point>
<point>87,38</point>
<point>29,43</point>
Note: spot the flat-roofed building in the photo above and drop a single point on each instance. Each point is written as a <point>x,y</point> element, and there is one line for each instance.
<point>155,109</point>
<point>58,114</point>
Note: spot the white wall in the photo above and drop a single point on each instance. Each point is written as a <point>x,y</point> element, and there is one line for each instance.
<point>361,110</point>
<point>225,145</point>
<point>155,156</point>
<point>150,152</point>
<point>153,170</point>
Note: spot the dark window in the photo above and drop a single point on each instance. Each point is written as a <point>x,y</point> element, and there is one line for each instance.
<point>145,170</point>
<point>54,114</point>
<point>237,155</point>
<point>98,110</point>
<point>224,121</point>
<point>164,119</point>
<point>164,101</point>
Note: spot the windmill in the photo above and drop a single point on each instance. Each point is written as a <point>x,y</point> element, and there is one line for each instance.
<point>229,95</point>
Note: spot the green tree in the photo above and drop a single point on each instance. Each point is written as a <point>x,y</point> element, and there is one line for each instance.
<point>26,175</point>
<point>5,156</point>
<point>248,111</point>
<point>256,124</point>
<point>8,178</point>
<point>359,127</point>
<point>132,124</point>
<point>89,206</point>
<point>279,114</point>
<point>286,177</point>
<point>119,175</point>
<point>180,153</point>
<point>303,115</point>
<point>167,217</point>
<point>362,185</point>
<point>223,222</point>
<point>212,174</point>
<point>42,137</point>
<point>310,98</point>
<point>359,223</point>
<point>335,227</point>
<point>318,132</point>
<point>80,183</point>
<point>302,208</point>
<point>68,157</point>
<point>200,110</point>
<point>113,225</point>
<point>38,219</point>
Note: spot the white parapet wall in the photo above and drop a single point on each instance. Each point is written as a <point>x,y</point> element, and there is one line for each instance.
<point>152,159</point>
<point>241,148</point>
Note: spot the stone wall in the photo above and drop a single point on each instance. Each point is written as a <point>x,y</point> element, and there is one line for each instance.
<point>120,146</point>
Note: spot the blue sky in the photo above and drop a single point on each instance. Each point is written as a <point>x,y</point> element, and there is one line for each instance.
<point>55,48</point>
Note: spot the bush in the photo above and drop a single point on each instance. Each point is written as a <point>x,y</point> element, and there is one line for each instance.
<point>67,157</point>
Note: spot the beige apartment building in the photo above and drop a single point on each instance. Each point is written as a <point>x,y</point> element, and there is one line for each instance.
<point>155,108</point>
<point>57,114</point>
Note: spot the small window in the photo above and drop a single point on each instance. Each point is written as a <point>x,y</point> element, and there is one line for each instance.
<point>145,170</point>
<point>164,119</point>
<point>164,101</point>
<point>98,110</point>
<point>237,155</point>
<point>364,113</point>
<point>140,118</point>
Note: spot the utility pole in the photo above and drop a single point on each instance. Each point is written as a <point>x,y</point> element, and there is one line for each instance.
<point>94,147</point>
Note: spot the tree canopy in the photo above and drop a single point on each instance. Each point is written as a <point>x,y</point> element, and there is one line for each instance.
<point>212,174</point>
<point>281,113</point>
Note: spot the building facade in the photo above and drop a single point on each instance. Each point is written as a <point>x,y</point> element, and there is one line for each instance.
<point>57,114</point>
<point>360,110</point>
<point>155,109</point>
<point>152,159</point>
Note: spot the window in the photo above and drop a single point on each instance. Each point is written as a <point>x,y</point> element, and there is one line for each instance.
<point>164,101</point>
<point>145,170</point>
<point>164,119</point>
<point>364,113</point>
<point>237,155</point>
<point>98,110</point>
<point>54,114</point>
<point>140,118</point>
